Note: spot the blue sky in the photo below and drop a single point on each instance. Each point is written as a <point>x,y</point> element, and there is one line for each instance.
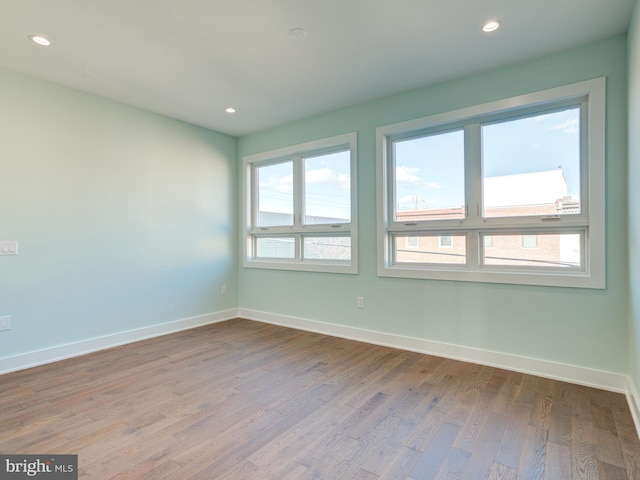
<point>430,170</point>
<point>327,186</point>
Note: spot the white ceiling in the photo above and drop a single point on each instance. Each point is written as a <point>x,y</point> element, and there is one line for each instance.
<point>189,59</point>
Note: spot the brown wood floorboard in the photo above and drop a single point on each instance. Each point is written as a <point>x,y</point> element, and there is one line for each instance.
<point>245,400</point>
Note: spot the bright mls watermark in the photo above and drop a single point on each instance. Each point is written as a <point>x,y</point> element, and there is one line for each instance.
<point>50,467</point>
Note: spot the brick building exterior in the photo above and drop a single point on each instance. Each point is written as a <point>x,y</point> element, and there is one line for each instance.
<point>530,194</point>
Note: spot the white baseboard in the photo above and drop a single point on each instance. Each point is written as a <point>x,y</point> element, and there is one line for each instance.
<point>543,368</point>
<point>61,352</point>
<point>569,373</point>
<point>634,404</point>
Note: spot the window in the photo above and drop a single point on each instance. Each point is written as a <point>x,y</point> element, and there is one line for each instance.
<point>300,207</point>
<point>529,241</point>
<point>411,242</point>
<point>445,241</point>
<point>488,241</point>
<point>507,192</point>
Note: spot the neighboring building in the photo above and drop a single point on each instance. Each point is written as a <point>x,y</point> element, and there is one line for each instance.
<point>315,248</point>
<point>537,193</point>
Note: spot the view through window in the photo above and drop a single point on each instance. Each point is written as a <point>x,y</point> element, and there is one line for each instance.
<point>497,191</point>
<point>300,207</point>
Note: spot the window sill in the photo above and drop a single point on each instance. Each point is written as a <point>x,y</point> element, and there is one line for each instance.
<point>463,274</point>
<point>308,266</point>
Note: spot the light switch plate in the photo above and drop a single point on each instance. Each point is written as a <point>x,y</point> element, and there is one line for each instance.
<point>8,247</point>
<point>5,323</point>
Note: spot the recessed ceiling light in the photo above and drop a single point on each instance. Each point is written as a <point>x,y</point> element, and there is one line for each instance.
<point>230,110</point>
<point>298,33</point>
<point>491,26</point>
<point>40,40</point>
<point>83,72</point>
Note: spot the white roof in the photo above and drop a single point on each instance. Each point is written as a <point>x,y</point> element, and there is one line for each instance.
<point>534,188</point>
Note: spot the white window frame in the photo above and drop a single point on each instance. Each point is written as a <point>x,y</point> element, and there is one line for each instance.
<point>251,231</point>
<point>590,222</point>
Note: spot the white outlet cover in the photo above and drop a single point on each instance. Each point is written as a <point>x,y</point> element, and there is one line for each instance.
<point>8,247</point>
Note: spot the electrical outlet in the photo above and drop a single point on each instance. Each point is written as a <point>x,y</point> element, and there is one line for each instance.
<point>5,323</point>
<point>8,247</point>
<point>223,290</point>
<point>360,302</point>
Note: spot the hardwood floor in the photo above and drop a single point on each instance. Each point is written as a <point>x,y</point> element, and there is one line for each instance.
<point>245,400</point>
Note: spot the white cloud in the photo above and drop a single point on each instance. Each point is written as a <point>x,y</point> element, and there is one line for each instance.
<point>406,176</point>
<point>328,176</point>
<point>321,175</point>
<point>278,184</point>
<point>543,117</point>
<point>569,126</point>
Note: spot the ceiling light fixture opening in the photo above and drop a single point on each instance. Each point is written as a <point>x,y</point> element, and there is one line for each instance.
<point>298,33</point>
<point>230,110</point>
<point>83,72</point>
<point>491,26</point>
<point>40,40</point>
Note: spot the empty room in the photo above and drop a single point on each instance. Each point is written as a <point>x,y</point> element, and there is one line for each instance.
<point>309,239</point>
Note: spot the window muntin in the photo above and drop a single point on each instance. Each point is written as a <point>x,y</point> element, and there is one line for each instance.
<point>300,207</point>
<point>578,219</point>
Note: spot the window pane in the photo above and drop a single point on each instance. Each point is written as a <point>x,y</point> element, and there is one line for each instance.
<point>277,247</point>
<point>529,241</point>
<point>327,188</point>
<point>429,177</point>
<point>562,250</point>
<point>275,194</point>
<point>430,249</point>
<point>531,166</point>
<point>327,248</point>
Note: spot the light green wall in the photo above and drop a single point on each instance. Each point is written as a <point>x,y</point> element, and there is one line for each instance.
<point>125,219</point>
<point>634,198</point>
<point>128,219</point>
<point>574,326</point>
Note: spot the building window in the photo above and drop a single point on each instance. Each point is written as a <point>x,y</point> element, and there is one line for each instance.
<point>411,242</point>
<point>488,241</point>
<point>529,241</point>
<point>445,241</point>
<point>300,207</point>
<point>514,188</point>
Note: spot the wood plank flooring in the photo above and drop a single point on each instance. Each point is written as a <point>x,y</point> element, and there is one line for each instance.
<point>245,400</point>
